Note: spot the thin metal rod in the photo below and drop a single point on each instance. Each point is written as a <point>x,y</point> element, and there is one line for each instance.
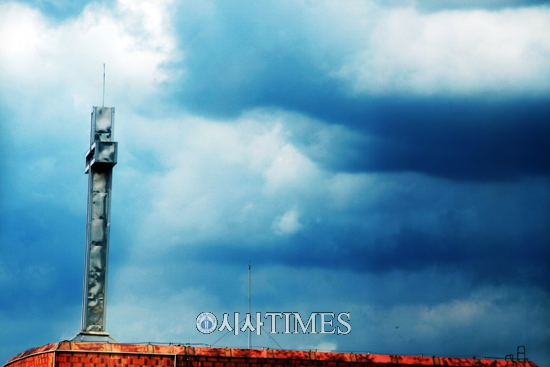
<point>249,300</point>
<point>103,101</point>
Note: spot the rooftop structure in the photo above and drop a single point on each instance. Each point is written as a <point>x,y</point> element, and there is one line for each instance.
<point>82,354</point>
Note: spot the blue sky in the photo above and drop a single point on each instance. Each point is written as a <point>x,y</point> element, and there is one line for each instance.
<point>384,158</point>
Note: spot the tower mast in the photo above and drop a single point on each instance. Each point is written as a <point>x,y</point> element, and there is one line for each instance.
<point>100,160</point>
<point>250,300</point>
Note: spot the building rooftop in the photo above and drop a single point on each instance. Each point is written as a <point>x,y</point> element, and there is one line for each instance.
<point>90,354</point>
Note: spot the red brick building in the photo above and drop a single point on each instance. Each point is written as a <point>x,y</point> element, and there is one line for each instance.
<point>85,354</point>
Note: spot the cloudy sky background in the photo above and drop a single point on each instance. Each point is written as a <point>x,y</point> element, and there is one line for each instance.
<point>385,158</point>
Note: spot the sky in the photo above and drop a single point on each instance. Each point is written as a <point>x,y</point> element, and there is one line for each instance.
<point>388,159</point>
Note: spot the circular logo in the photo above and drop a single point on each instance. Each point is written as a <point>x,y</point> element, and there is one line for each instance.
<point>206,322</point>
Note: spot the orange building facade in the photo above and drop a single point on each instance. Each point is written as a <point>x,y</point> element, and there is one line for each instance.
<point>86,354</point>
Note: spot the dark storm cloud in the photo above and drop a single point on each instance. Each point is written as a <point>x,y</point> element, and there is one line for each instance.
<point>235,66</point>
<point>464,139</point>
<point>484,261</point>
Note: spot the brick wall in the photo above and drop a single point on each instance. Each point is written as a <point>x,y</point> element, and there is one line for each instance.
<point>89,359</point>
<point>79,354</point>
<point>37,360</point>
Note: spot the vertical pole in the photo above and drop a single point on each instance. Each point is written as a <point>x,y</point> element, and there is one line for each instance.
<point>103,100</point>
<point>249,300</point>
<point>100,160</point>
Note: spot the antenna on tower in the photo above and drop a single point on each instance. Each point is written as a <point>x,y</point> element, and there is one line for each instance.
<point>249,298</point>
<point>103,101</point>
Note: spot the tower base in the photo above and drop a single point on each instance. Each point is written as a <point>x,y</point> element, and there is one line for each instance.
<point>93,337</point>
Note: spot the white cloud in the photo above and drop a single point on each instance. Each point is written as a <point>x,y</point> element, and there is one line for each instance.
<point>51,74</point>
<point>454,52</point>
<point>220,179</point>
<point>288,169</point>
<point>133,39</point>
<point>288,223</point>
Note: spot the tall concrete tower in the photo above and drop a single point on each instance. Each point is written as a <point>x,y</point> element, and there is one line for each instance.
<point>100,160</point>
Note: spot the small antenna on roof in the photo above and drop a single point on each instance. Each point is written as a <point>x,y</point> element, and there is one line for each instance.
<point>103,102</point>
<point>249,298</point>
